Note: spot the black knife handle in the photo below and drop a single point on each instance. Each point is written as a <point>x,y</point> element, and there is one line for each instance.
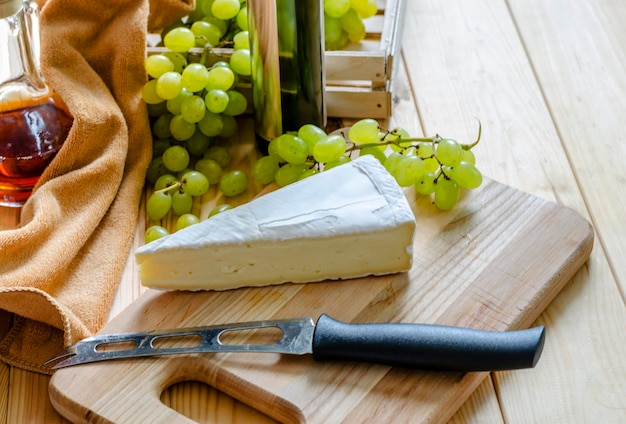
<point>425,346</point>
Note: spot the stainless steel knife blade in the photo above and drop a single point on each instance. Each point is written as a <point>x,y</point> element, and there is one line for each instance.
<point>423,346</point>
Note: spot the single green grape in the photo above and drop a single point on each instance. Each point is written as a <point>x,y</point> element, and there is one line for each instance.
<point>333,33</point>
<point>241,40</point>
<point>211,124</point>
<point>336,8</point>
<point>448,152</point>
<point>161,126</point>
<point>466,175</point>
<point>364,131</point>
<point>158,64</point>
<point>186,220</point>
<point>176,158</point>
<point>365,8</point>
<point>409,170</point>
<point>164,181</point>
<point>242,18</point>
<point>158,205</point>
<point>234,183</point>
<point>192,110</point>
<point>182,202</point>
<point>197,144</point>
<point>329,148</point>
<point>292,148</point>
<point>289,173</point>
<point>149,93</point>
<point>225,9</point>
<point>264,170</point>
<point>271,150</point>
<point>169,85</point>
<point>425,150</point>
<point>195,183</point>
<point>426,184</point>
<point>155,232</point>
<point>210,169</point>
<point>219,154</point>
<point>431,164</point>
<point>241,62</point>
<point>195,77</point>
<point>216,100</point>
<point>179,39</point>
<point>447,194</point>
<point>182,129</point>
<point>237,103</point>
<point>220,78</point>
<point>206,33</point>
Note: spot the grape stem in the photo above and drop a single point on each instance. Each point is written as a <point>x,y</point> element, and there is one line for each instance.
<point>480,131</point>
<point>401,142</point>
<point>170,187</point>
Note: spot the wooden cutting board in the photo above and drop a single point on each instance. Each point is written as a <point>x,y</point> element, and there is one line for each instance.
<point>494,262</point>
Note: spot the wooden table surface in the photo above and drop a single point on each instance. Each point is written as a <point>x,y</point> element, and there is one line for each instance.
<point>547,80</point>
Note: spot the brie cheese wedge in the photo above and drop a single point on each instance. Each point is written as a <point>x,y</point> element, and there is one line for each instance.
<point>350,221</point>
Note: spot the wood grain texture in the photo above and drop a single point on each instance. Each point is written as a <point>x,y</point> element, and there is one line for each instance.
<point>545,79</point>
<point>493,263</point>
<point>525,71</point>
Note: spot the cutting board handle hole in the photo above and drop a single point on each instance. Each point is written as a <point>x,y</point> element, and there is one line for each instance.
<point>261,335</point>
<point>179,397</point>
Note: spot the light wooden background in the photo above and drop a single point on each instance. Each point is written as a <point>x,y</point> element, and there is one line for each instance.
<point>547,79</point>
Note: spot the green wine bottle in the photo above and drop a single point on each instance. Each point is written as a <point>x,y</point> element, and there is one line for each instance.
<point>288,72</point>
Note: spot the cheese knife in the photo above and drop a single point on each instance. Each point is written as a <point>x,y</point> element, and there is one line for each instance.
<point>420,346</point>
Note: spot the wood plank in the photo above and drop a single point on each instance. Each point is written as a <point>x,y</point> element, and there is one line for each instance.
<point>29,401</point>
<point>577,53</point>
<point>477,67</point>
<point>482,406</point>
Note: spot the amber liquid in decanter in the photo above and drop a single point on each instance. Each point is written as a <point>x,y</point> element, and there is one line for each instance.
<point>32,131</point>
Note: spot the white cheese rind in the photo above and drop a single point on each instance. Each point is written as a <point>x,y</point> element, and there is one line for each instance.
<point>350,221</point>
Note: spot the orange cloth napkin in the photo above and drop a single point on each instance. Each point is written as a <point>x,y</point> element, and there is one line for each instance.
<point>60,270</point>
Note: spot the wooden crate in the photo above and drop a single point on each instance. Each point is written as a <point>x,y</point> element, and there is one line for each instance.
<point>359,78</point>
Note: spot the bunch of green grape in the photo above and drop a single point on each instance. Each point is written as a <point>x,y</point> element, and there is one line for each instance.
<point>343,21</point>
<point>193,109</point>
<point>435,166</point>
